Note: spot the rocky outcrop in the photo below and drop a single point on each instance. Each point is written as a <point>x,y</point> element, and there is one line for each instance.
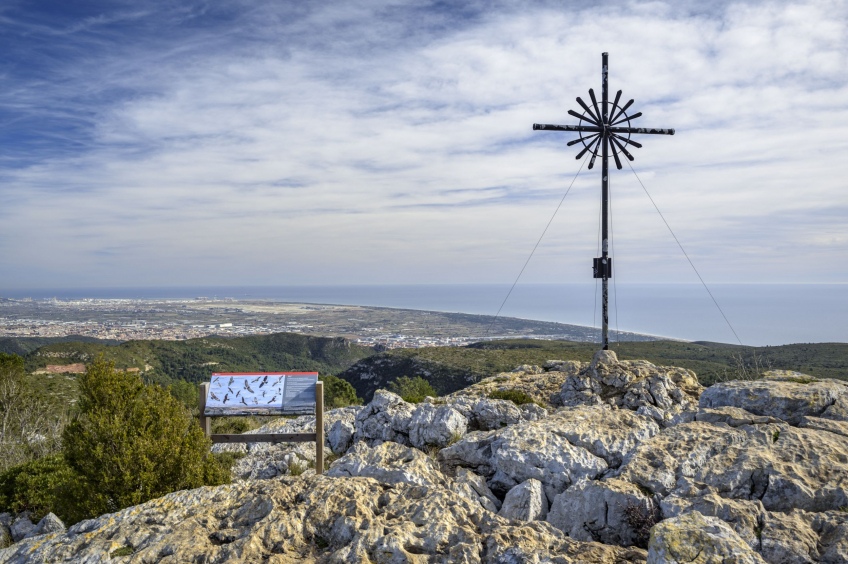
<point>541,384</point>
<point>660,392</point>
<point>391,464</point>
<point>784,467</point>
<point>695,539</point>
<point>571,445</point>
<point>312,518</point>
<point>610,511</point>
<point>262,461</point>
<point>526,501</point>
<point>789,396</point>
<point>750,471</point>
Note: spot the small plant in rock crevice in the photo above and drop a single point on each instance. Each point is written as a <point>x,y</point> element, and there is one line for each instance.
<point>641,520</point>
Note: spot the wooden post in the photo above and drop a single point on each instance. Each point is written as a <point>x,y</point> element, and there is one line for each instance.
<point>205,422</point>
<point>319,428</point>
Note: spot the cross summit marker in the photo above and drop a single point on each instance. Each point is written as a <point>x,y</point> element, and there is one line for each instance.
<point>604,130</point>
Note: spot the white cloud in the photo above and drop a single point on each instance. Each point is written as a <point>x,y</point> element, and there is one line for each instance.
<point>365,143</point>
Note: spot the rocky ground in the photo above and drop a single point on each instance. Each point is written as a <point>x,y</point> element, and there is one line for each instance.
<point>612,461</point>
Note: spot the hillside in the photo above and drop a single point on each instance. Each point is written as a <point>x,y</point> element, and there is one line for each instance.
<point>195,359</point>
<point>449,369</point>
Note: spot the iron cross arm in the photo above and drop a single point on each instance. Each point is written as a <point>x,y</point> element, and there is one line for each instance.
<point>595,129</point>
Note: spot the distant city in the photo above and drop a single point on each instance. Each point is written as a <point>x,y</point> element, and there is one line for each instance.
<point>180,319</point>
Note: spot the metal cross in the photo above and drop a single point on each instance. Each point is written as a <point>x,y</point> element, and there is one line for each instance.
<point>607,134</point>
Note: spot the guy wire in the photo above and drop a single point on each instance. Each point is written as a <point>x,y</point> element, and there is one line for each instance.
<point>537,243</point>
<point>684,254</point>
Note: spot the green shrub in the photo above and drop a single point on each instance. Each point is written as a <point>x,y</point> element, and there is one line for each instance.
<point>186,392</point>
<point>233,425</point>
<point>515,396</point>
<point>39,486</point>
<point>29,426</point>
<point>412,390</point>
<point>338,393</point>
<point>133,442</point>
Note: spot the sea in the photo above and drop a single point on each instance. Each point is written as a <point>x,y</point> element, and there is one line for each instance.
<point>750,314</point>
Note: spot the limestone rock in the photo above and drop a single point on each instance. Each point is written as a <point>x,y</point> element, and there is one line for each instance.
<point>746,517</point>
<point>526,501</point>
<point>607,433</point>
<point>788,537</point>
<point>385,418</point>
<point>474,487</point>
<point>732,416</point>
<point>570,445</point>
<point>693,538</point>
<point>542,387</point>
<point>312,518</point>
<point>48,524</point>
<point>610,511</point>
<point>658,391</point>
<point>831,426</point>
<point>784,467</point>
<point>266,460</point>
<point>435,425</point>
<point>390,464</point>
<point>788,396</point>
<point>21,526</point>
<point>340,436</point>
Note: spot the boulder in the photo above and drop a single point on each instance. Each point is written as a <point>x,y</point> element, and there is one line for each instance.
<point>607,433</point>
<point>541,386</point>
<point>474,487</point>
<point>340,436</point>
<point>385,418</point>
<point>21,527</point>
<point>788,396</point>
<point>746,517</point>
<point>389,463</point>
<point>660,392</point>
<point>610,511</point>
<point>535,449</point>
<point>263,461</point>
<point>695,539</point>
<point>312,518</point>
<point>435,426</point>
<point>784,467</point>
<point>570,445</point>
<point>48,524</point>
<point>526,501</point>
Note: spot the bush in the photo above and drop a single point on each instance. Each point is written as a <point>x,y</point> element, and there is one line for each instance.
<point>338,393</point>
<point>515,396</point>
<point>41,486</point>
<point>186,392</point>
<point>412,390</point>
<point>133,442</point>
<point>29,427</point>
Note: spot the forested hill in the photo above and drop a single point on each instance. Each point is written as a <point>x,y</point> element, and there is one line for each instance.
<point>449,369</point>
<point>446,368</point>
<point>195,359</point>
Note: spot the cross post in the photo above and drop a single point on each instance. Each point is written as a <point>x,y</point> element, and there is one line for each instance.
<point>604,132</point>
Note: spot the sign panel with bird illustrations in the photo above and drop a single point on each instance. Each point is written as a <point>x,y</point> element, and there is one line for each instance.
<point>262,393</point>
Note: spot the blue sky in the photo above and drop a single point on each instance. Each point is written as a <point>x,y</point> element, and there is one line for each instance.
<point>184,143</point>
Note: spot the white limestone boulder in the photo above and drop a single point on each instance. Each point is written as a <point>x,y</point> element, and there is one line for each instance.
<point>526,501</point>
<point>695,539</point>
<point>609,511</point>
<point>788,396</point>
